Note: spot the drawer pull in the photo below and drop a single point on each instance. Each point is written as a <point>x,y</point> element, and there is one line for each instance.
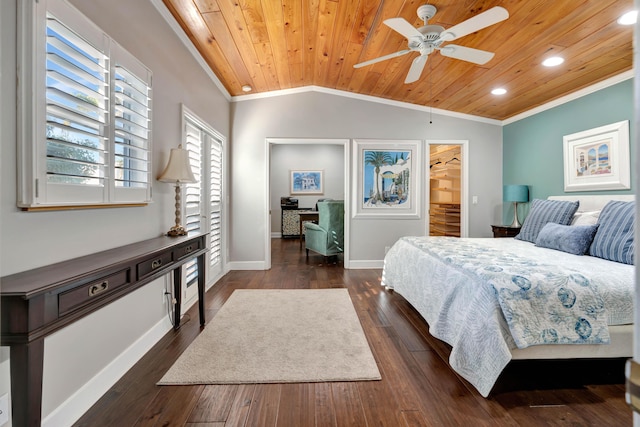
<point>156,263</point>
<point>188,249</point>
<point>96,289</point>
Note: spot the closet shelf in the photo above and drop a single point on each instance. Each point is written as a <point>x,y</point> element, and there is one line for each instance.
<point>444,182</point>
<point>448,189</point>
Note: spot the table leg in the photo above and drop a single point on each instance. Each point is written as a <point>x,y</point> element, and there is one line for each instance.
<point>201,284</point>
<point>177,294</point>
<point>27,361</point>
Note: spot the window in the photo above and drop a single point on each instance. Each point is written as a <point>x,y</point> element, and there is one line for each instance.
<point>84,113</point>
<point>203,199</point>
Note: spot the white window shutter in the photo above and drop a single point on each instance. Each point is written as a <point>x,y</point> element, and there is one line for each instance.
<point>84,112</point>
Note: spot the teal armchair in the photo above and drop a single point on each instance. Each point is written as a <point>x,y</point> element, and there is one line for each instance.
<point>327,236</point>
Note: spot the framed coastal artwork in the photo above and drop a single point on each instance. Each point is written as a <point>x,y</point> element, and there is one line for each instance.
<point>307,182</point>
<point>386,179</point>
<point>597,159</point>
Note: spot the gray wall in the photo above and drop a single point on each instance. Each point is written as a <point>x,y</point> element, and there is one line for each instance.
<point>286,157</point>
<point>324,115</point>
<point>33,239</point>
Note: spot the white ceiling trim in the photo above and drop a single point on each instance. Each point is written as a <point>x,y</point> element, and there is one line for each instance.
<point>160,6</point>
<point>572,96</point>
<point>361,97</point>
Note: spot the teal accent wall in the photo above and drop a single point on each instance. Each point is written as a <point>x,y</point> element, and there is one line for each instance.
<point>533,149</point>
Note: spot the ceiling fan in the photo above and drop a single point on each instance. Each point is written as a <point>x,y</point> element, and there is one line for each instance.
<point>428,38</point>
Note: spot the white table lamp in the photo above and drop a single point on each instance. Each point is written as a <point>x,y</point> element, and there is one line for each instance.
<point>178,171</point>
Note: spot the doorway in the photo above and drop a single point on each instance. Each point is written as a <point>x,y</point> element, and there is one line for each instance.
<point>279,170</point>
<point>447,188</point>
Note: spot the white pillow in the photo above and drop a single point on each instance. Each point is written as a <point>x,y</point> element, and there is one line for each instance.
<point>585,218</point>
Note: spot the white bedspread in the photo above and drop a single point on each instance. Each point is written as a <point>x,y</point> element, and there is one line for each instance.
<point>487,296</point>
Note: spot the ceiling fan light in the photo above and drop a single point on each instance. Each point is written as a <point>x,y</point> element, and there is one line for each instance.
<point>553,61</point>
<point>499,91</point>
<point>628,18</point>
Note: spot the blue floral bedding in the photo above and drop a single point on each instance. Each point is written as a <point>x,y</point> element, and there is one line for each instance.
<point>487,296</point>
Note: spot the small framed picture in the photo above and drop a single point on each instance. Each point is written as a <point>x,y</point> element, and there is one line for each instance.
<point>307,182</point>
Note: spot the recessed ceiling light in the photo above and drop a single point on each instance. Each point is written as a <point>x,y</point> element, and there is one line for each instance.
<point>499,91</point>
<point>628,18</point>
<point>552,61</point>
<point>247,88</point>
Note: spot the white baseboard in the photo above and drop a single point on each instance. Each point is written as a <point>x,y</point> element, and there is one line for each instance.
<point>276,235</point>
<point>247,265</point>
<point>78,403</point>
<point>260,265</point>
<point>364,264</point>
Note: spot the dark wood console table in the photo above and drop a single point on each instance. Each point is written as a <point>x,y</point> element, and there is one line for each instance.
<point>38,302</point>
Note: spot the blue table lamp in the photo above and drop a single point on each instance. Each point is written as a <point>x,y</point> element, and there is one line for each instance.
<point>516,194</point>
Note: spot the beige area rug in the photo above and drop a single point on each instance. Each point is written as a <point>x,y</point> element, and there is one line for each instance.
<point>278,336</point>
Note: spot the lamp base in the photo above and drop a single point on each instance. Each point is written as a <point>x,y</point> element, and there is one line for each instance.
<point>177,230</point>
<point>515,223</point>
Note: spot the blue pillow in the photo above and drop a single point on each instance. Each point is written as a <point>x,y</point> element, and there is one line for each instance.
<point>544,211</point>
<point>614,240</point>
<point>574,239</point>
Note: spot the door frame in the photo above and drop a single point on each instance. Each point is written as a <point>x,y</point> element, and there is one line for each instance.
<point>269,143</point>
<point>464,182</point>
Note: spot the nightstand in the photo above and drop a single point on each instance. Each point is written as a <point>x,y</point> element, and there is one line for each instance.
<point>505,231</point>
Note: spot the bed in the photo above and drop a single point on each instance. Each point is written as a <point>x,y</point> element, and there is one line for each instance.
<point>494,300</point>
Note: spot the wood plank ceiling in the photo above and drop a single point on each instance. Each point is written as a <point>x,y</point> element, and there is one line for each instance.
<point>282,44</point>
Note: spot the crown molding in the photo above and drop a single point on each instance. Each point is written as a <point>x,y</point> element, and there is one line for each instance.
<point>177,29</point>
<point>563,100</point>
<point>572,96</point>
<point>162,9</point>
<point>361,97</point>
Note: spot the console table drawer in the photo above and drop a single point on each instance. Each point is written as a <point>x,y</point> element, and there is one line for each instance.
<point>184,250</point>
<point>152,265</point>
<point>75,298</point>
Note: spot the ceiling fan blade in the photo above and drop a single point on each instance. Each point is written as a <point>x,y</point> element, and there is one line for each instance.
<point>469,54</point>
<point>416,69</point>
<point>478,22</point>
<point>382,58</point>
<point>403,27</point>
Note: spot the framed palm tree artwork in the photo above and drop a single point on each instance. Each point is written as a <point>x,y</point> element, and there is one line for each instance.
<point>386,181</point>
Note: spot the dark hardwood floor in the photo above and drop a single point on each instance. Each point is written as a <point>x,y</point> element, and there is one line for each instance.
<point>417,389</point>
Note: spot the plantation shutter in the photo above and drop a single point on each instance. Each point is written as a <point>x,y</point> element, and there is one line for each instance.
<point>131,94</point>
<point>194,191</point>
<point>84,110</point>
<point>203,199</point>
<point>132,120</point>
<point>77,105</point>
<point>215,206</point>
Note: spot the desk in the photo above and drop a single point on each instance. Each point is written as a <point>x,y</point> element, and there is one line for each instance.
<point>306,216</point>
<point>37,303</point>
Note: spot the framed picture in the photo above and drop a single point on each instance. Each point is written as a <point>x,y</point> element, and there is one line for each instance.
<point>307,182</point>
<point>386,181</point>
<point>597,159</point>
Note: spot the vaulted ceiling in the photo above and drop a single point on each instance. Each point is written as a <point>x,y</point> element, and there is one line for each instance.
<point>283,44</point>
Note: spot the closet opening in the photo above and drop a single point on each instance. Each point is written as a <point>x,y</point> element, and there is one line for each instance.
<point>445,165</point>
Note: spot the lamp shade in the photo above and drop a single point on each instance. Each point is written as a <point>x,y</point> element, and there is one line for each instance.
<point>178,168</point>
<point>516,193</point>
